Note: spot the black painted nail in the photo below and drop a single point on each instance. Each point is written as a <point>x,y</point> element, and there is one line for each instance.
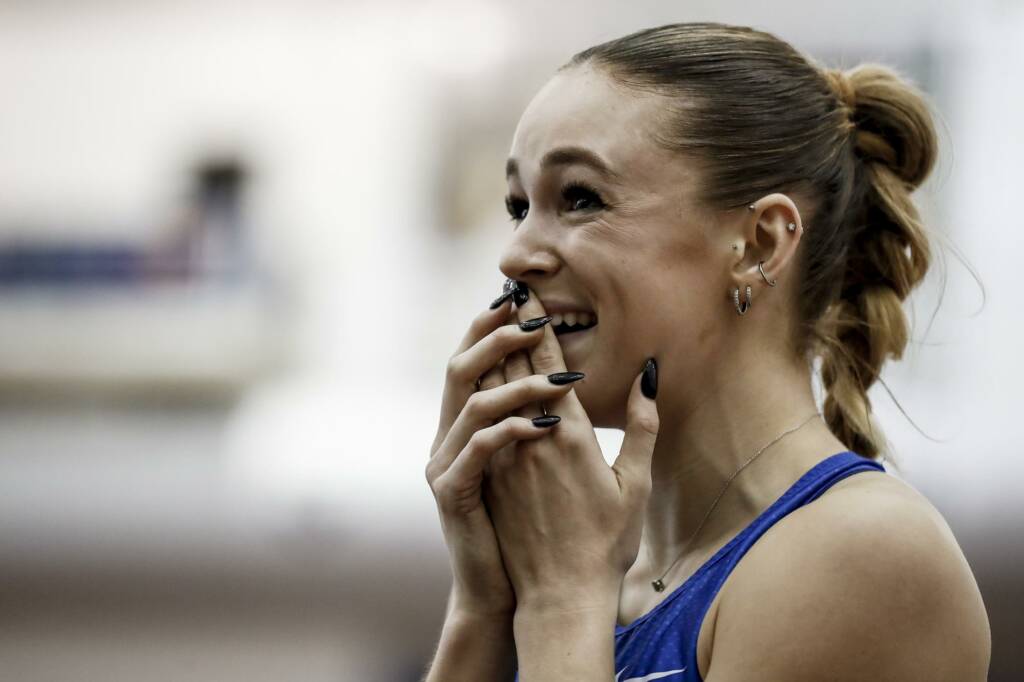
<point>501,299</point>
<point>535,323</point>
<point>546,420</point>
<point>649,380</point>
<point>522,293</point>
<point>561,378</point>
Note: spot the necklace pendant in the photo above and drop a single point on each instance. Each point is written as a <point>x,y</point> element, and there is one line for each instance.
<point>658,585</point>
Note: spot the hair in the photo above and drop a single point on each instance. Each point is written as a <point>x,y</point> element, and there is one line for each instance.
<point>758,117</point>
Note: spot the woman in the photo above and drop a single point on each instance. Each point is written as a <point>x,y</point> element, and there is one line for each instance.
<point>715,213</point>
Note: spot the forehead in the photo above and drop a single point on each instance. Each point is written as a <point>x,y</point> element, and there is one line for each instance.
<point>583,107</point>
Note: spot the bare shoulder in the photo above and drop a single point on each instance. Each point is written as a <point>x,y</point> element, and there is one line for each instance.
<point>866,582</point>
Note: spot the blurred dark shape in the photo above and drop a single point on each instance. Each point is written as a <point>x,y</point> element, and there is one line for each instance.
<point>207,243</point>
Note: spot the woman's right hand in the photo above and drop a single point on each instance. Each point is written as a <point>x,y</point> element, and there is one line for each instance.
<point>474,425</point>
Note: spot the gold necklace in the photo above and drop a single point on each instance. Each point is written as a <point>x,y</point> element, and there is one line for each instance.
<point>658,584</point>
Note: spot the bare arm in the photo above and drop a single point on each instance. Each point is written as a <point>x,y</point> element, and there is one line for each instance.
<point>885,594</point>
<point>566,643</point>
<point>473,647</point>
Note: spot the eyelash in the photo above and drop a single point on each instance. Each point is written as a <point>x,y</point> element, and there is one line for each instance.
<point>575,187</point>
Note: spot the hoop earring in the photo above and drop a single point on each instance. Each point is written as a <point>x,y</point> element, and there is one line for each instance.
<point>770,283</point>
<point>742,310</point>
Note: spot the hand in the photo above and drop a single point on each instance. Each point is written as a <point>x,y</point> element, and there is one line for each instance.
<point>568,524</point>
<point>472,427</point>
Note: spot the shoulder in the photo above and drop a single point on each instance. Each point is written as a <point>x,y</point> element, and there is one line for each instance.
<point>866,582</point>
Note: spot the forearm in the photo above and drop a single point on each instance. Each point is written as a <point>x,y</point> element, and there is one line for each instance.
<point>565,643</point>
<point>473,648</point>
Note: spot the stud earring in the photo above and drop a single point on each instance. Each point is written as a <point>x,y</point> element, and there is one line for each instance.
<point>751,207</point>
<point>791,227</point>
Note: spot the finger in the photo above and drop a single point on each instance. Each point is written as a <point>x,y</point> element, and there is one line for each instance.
<point>517,366</point>
<point>632,466</point>
<point>546,355</point>
<point>468,466</point>
<point>467,367</point>
<point>484,407</point>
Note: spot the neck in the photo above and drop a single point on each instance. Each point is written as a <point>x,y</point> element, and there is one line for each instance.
<point>702,442</point>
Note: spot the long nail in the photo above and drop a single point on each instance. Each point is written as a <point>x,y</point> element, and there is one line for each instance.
<point>522,293</point>
<point>546,420</point>
<point>562,378</point>
<point>649,380</point>
<point>501,299</point>
<point>535,323</point>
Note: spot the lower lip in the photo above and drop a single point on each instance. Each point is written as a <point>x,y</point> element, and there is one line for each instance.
<point>573,339</point>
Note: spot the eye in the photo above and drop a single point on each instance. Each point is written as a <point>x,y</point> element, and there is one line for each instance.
<point>514,206</point>
<point>575,192</point>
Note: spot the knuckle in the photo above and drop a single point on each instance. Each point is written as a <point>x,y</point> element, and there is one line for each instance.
<point>444,493</point>
<point>648,424</point>
<point>432,471</point>
<point>477,443</point>
<point>475,404</point>
<point>455,370</point>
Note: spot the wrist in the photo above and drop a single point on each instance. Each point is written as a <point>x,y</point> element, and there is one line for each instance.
<point>561,611</point>
<point>479,612</point>
<point>592,598</point>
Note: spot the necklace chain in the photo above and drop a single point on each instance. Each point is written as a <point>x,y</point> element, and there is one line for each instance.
<point>658,584</point>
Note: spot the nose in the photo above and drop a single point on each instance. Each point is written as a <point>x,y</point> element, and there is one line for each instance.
<point>529,254</point>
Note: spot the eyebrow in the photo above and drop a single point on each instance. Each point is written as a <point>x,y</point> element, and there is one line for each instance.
<point>567,156</point>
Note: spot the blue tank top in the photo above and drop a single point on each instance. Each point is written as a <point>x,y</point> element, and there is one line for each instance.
<point>662,643</point>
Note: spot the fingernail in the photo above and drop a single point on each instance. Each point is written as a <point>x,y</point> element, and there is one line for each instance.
<point>501,299</point>
<point>522,293</point>
<point>546,420</point>
<point>535,323</point>
<point>649,380</point>
<point>561,378</point>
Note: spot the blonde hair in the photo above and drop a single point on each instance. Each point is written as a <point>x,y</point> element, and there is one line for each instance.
<point>760,117</point>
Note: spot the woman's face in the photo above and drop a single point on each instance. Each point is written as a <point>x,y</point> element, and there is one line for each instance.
<point>630,244</point>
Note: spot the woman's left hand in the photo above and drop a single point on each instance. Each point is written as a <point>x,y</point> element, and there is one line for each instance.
<point>568,524</point>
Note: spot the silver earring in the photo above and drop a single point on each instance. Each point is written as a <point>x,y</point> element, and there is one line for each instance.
<point>736,299</point>
<point>771,283</point>
<point>791,226</point>
<point>751,207</point>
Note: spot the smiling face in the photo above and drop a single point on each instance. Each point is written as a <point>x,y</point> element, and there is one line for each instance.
<point>630,243</point>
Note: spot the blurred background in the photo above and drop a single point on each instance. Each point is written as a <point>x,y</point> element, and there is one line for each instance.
<point>239,242</point>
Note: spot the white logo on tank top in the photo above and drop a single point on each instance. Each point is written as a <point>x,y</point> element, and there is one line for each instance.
<point>646,678</point>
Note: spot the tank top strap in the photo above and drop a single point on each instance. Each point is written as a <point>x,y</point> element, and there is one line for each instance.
<point>665,638</point>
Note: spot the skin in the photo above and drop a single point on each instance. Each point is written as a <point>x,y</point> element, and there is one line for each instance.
<point>659,270</point>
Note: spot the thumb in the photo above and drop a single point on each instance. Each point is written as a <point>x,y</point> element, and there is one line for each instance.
<point>633,465</point>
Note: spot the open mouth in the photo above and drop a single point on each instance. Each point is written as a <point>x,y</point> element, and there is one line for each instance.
<point>569,324</point>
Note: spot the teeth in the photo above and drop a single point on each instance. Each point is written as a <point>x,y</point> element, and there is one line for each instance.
<point>573,318</point>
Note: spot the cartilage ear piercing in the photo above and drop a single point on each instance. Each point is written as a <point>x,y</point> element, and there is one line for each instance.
<point>736,299</point>
<point>771,283</point>
<point>751,207</point>
<point>791,227</point>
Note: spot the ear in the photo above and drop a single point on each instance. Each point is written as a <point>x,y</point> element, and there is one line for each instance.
<point>764,237</point>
